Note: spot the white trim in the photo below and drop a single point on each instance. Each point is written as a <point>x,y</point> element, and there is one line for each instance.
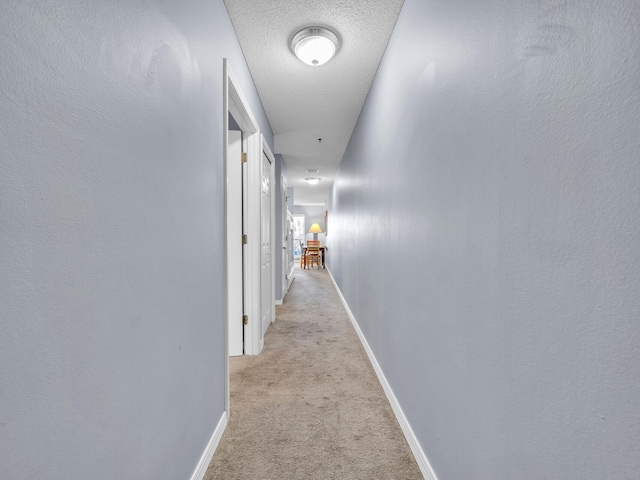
<point>207,455</point>
<point>414,444</point>
<point>290,278</point>
<point>235,103</point>
<point>253,331</point>
<point>226,73</point>
<point>238,104</point>
<point>272,241</point>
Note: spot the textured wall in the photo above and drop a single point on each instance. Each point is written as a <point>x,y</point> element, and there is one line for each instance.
<point>111,320</point>
<point>485,226</point>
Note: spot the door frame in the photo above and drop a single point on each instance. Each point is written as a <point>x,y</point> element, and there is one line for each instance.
<point>235,103</point>
<point>272,241</point>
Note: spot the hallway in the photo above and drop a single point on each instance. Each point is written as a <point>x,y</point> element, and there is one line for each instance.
<point>483,231</point>
<point>310,406</point>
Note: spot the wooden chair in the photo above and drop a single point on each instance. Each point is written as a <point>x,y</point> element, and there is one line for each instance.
<point>313,253</point>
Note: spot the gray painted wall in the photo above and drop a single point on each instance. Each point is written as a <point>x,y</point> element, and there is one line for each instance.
<point>111,235</point>
<point>485,226</point>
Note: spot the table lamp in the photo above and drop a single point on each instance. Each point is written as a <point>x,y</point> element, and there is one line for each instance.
<point>315,229</point>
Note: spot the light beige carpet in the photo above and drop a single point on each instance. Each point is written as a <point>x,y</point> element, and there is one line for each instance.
<point>310,405</point>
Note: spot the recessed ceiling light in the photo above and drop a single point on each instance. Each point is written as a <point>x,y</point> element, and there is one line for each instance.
<point>313,180</point>
<point>315,45</point>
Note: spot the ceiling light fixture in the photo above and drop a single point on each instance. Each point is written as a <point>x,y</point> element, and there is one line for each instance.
<point>315,45</point>
<point>313,180</point>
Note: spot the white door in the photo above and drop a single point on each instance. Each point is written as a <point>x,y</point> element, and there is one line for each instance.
<point>234,243</point>
<point>265,236</point>
<point>290,256</point>
<point>285,241</point>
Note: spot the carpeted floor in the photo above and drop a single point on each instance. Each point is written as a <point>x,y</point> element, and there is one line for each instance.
<point>310,405</point>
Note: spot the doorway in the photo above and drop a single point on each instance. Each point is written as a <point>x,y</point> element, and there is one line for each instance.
<point>240,147</point>
<point>249,233</point>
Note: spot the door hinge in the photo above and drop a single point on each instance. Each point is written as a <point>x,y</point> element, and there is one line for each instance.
<point>244,157</point>
<point>244,239</point>
<point>245,320</point>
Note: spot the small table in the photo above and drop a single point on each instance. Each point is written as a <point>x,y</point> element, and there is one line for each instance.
<point>304,251</point>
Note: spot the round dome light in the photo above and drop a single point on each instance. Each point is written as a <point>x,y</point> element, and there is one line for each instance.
<point>315,45</point>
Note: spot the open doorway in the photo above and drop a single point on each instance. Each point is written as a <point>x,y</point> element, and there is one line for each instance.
<point>241,143</point>
<point>249,234</point>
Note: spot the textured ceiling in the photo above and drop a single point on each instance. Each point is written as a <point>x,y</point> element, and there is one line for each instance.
<point>306,103</point>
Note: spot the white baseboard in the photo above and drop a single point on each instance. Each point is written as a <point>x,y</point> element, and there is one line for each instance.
<point>205,460</point>
<point>421,458</point>
<point>290,278</point>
